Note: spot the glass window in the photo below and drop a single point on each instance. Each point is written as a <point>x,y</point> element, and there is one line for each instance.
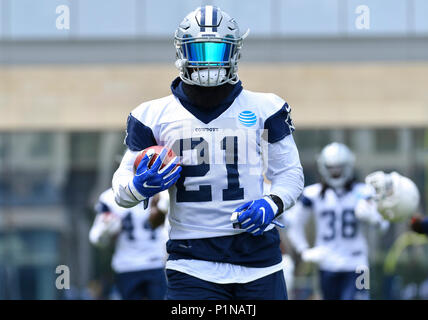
<point>155,20</point>
<point>3,23</point>
<point>30,149</point>
<point>30,257</point>
<point>4,188</point>
<point>419,176</point>
<point>309,17</point>
<point>120,147</point>
<point>26,169</point>
<point>28,188</point>
<point>84,148</point>
<point>311,172</point>
<point>43,145</point>
<point>386,140</point>
<point>3,146</point>
<point>385,17</point>
<point>244,15</point>
<point>420,139</point>
<point>348,140</point>
<point>312,140</point>
<point>113,18</point>
<point>35,19</point>
<point>420,16</point>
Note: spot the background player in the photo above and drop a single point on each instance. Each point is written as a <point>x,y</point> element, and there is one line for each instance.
<point>140,236</point>
<point>340,246</point>
<point>225,137</point>
<point>397,198</point>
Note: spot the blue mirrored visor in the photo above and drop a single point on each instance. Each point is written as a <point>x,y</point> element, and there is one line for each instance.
<point>201,52</point>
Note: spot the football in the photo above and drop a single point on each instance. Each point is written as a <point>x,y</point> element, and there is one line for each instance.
<point>153,152</point>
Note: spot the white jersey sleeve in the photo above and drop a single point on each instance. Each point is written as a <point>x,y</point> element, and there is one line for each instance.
<point>296,219</point>
<point>285,171</point>
<point>121,178</point>
<point>283,163</point>
<point>298,216</point>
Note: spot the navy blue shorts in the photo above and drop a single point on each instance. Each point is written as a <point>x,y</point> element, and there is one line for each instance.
<point>182,286</point>
<point>341,286</point>
<point>146,284</point>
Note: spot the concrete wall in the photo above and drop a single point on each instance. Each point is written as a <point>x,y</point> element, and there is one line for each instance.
<point>86,97</point>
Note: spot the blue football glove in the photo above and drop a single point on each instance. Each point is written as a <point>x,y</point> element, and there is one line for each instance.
<point>255,216</point>
<point>147,182</point>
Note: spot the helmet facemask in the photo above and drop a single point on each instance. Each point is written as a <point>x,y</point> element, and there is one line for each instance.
<point>336,175</point>
<point>208,58</point>
<point>383,186</point>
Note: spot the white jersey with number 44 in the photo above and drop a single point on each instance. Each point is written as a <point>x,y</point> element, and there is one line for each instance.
<point>138,246</point>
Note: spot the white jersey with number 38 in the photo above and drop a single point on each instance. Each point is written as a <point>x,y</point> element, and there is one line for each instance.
<point>338,231</point>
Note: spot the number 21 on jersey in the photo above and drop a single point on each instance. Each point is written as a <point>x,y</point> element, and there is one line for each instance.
<point>229,145</point>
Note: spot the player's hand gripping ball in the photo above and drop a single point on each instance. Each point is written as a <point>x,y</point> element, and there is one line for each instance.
<point>153,152</point>
<point>156,169</point>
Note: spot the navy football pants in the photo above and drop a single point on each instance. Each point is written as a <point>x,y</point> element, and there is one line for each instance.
<point>341,286</point>
<point>182,286</point>
<point>146,284</point>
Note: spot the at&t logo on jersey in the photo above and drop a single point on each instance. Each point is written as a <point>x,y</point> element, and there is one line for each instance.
<point>247,118</point>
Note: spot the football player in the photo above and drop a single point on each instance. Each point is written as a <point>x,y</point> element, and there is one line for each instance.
<point>340,247</point>
<point>223,241</point>
<point>140,236</point>
<point>395,196</point>
<point>397,199</point>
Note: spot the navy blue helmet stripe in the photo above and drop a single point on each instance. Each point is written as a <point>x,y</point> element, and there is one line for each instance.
<point>203,19</point>
<point>214,19</point>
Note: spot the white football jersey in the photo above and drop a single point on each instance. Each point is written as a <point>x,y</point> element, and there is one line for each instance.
<point>138,247</point>
<point>223,159</point>
<point>223,152</point>
<point>338,231</point>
